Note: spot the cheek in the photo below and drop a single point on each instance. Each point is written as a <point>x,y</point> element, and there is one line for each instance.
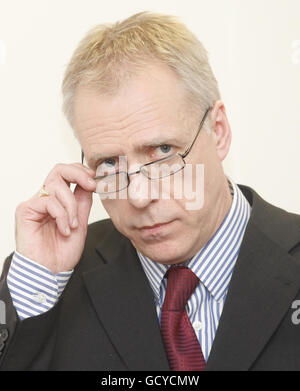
<point>109,206</point>
<point>188,187</point>
<point>116,211</point>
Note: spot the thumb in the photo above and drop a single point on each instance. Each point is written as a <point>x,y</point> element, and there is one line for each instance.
<point>84,201</point>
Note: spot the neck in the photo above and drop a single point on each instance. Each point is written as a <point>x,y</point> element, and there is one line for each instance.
<point>217,213</point>
<point>222,207</point>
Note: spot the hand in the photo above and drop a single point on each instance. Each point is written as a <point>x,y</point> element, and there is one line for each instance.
<point>51,230</point>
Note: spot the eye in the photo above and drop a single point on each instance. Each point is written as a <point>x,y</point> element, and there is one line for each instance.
<point>109,162</point>
<point>107,166</point>
<point>165,148</point>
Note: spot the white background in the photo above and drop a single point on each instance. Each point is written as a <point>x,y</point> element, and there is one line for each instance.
<point>254,49</point>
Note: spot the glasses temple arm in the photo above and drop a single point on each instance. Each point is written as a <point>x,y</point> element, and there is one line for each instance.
<point>200,127</point>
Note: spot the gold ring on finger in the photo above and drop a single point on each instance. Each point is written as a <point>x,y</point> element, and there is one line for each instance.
<point>43,192</point>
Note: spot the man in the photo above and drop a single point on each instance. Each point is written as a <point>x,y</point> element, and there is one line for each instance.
<point>145,107</point>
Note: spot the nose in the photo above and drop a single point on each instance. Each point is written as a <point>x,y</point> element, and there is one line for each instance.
<point>140,191</point>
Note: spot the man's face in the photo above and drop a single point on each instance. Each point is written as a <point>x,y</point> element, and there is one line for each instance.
<point>147,120</point>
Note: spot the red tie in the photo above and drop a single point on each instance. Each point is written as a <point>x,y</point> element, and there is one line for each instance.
<point>182,346</point>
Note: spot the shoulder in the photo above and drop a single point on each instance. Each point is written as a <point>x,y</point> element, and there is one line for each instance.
<point>99,233</point>
<point>102,238</point>
<point>101,227</point>
<point>278,224</point>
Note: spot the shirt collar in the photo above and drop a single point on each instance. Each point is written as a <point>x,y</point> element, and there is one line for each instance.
<point>214,263</point>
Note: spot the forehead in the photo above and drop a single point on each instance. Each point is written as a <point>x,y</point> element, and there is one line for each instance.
<point>148,108</point>
<point>155,85</point>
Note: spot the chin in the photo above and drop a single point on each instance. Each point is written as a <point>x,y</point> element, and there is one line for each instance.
<point>166,252</point>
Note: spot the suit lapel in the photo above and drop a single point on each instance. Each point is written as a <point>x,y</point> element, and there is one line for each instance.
<point>124,303</point>
<point>263,285</point>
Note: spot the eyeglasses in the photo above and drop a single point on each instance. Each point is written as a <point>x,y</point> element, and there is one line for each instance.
<point>115,182</point>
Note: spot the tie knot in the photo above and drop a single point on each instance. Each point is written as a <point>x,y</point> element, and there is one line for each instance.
<point>181,284</point>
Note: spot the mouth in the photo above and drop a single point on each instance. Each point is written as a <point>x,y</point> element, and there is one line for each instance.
<point>156,228</point>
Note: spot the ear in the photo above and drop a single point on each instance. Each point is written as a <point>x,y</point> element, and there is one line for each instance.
<point>221,129</point>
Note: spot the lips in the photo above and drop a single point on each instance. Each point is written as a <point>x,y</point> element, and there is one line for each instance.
<point>155,225</point>
<point>157,231</point>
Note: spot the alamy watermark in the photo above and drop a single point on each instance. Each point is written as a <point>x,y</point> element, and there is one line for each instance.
<point>158,182</point>
<point>2,312</point>
<point>295,52</point>
<point>296,314</point>
<point>3,53</point>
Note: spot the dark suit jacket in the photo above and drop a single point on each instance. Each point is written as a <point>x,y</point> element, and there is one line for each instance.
<point>106,317</point>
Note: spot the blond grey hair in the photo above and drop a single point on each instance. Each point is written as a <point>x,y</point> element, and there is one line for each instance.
<point>110,54</point>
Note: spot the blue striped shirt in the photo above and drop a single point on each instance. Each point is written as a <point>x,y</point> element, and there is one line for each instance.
<point>213,265</point>
<point>35,289</point>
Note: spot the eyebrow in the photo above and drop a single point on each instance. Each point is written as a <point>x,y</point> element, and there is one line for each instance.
<point>160,140</point>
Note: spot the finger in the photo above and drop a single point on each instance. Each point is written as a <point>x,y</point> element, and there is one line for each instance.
<point>71,173</point>
<point>88,169</point>
<point>84,202</point>
<point>58,212</point>
<point>66,197</point>
<point>40,207</point>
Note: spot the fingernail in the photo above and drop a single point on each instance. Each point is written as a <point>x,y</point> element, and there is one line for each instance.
<point>75,222</point>
<point>91,181</point>
<point>67,230</point>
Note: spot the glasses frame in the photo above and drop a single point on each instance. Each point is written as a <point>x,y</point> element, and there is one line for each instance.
<point>140,170</point>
